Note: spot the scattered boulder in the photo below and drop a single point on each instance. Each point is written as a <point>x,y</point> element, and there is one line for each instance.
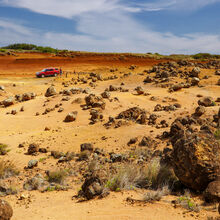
<point>6,211</point>
<point>32,164</point>
<point>200,110</point>
<point>92,187</point>
<point>195,81</point>
<point>139,90</point>
<point>86,146</point>
<point>28,96</point>
<point>133,114</point>
<point>195,72</point>
<point>95,101</point>
<point>106,95</point>
<point>71,116</point>
<point>8,102</point>
<point>2,88</point>
<point>206,101</point>
<point>51,91</point>
<point>212,192</point>
<point>195,157</point>
<point>33,149</point>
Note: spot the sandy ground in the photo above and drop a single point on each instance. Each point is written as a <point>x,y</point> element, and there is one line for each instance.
<point>27,127</point>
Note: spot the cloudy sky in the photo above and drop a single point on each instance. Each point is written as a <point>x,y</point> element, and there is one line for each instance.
<point>163,26</point>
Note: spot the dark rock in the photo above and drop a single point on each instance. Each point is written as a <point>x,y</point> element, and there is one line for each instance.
<point>106,95</point>
<point>71,116</point>
<point>212,192</point>
<point>33,149</point>
<point>8,102</point>
<point>50,92</point>
<point>195,158</point>
<point>195,72</point>
<point>132,141</point>
<point>86,146</point>
<point>6,211</point>
<point>206,101</point>
<point>200,110</point>
<point>92,187</point>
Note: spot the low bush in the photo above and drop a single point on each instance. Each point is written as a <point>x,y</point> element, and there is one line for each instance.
<point>57,176</point>
<point>3,149</point>
<point>187,203</point>
<point>7,169</point>
<point>152,196</point>
<point>153,176</point>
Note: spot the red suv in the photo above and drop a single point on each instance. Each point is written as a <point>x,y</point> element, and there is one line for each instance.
<point>48,72</point>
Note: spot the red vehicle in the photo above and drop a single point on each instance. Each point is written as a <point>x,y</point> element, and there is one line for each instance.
<point>48,72</point>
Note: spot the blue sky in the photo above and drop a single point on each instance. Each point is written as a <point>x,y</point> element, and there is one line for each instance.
<point>164,26</point>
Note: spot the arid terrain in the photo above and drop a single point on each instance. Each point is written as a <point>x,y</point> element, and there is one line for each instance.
<point>109,120</point>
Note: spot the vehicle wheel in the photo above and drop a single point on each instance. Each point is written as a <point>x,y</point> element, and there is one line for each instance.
<point>55,74</point>
<point>42,76</point>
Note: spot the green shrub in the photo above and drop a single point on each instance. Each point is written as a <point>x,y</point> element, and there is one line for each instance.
<point>187,203</point>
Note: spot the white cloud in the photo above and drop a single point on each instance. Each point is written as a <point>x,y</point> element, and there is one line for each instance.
<point>120,34</point>
<point>104,25</point>
<point>63,8</point>
<point>188,5</point>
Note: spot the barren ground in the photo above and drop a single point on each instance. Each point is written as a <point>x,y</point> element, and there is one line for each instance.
<point>17,75</point>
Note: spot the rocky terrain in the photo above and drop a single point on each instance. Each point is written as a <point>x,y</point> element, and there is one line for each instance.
<point>112,138</point>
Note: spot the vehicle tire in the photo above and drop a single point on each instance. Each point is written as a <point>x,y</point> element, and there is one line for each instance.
<point>42,76</point>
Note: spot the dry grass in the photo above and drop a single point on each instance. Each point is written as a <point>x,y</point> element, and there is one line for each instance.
<point>57,176</point>
<point>3,149</point>
<point>131,176</point>
<point>7,169</point>
<point>153,196</point>
<point>187,202</point>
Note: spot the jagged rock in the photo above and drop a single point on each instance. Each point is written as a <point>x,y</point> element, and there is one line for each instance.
<point>133,114</point>
<point>96,115</point>
<point>95,101</point>
<point>71,116</point>
<point>33,149</point>
<point>6,211</point>
<point>195,157</point>
<point>51,91</point>
<point>92,187</point>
